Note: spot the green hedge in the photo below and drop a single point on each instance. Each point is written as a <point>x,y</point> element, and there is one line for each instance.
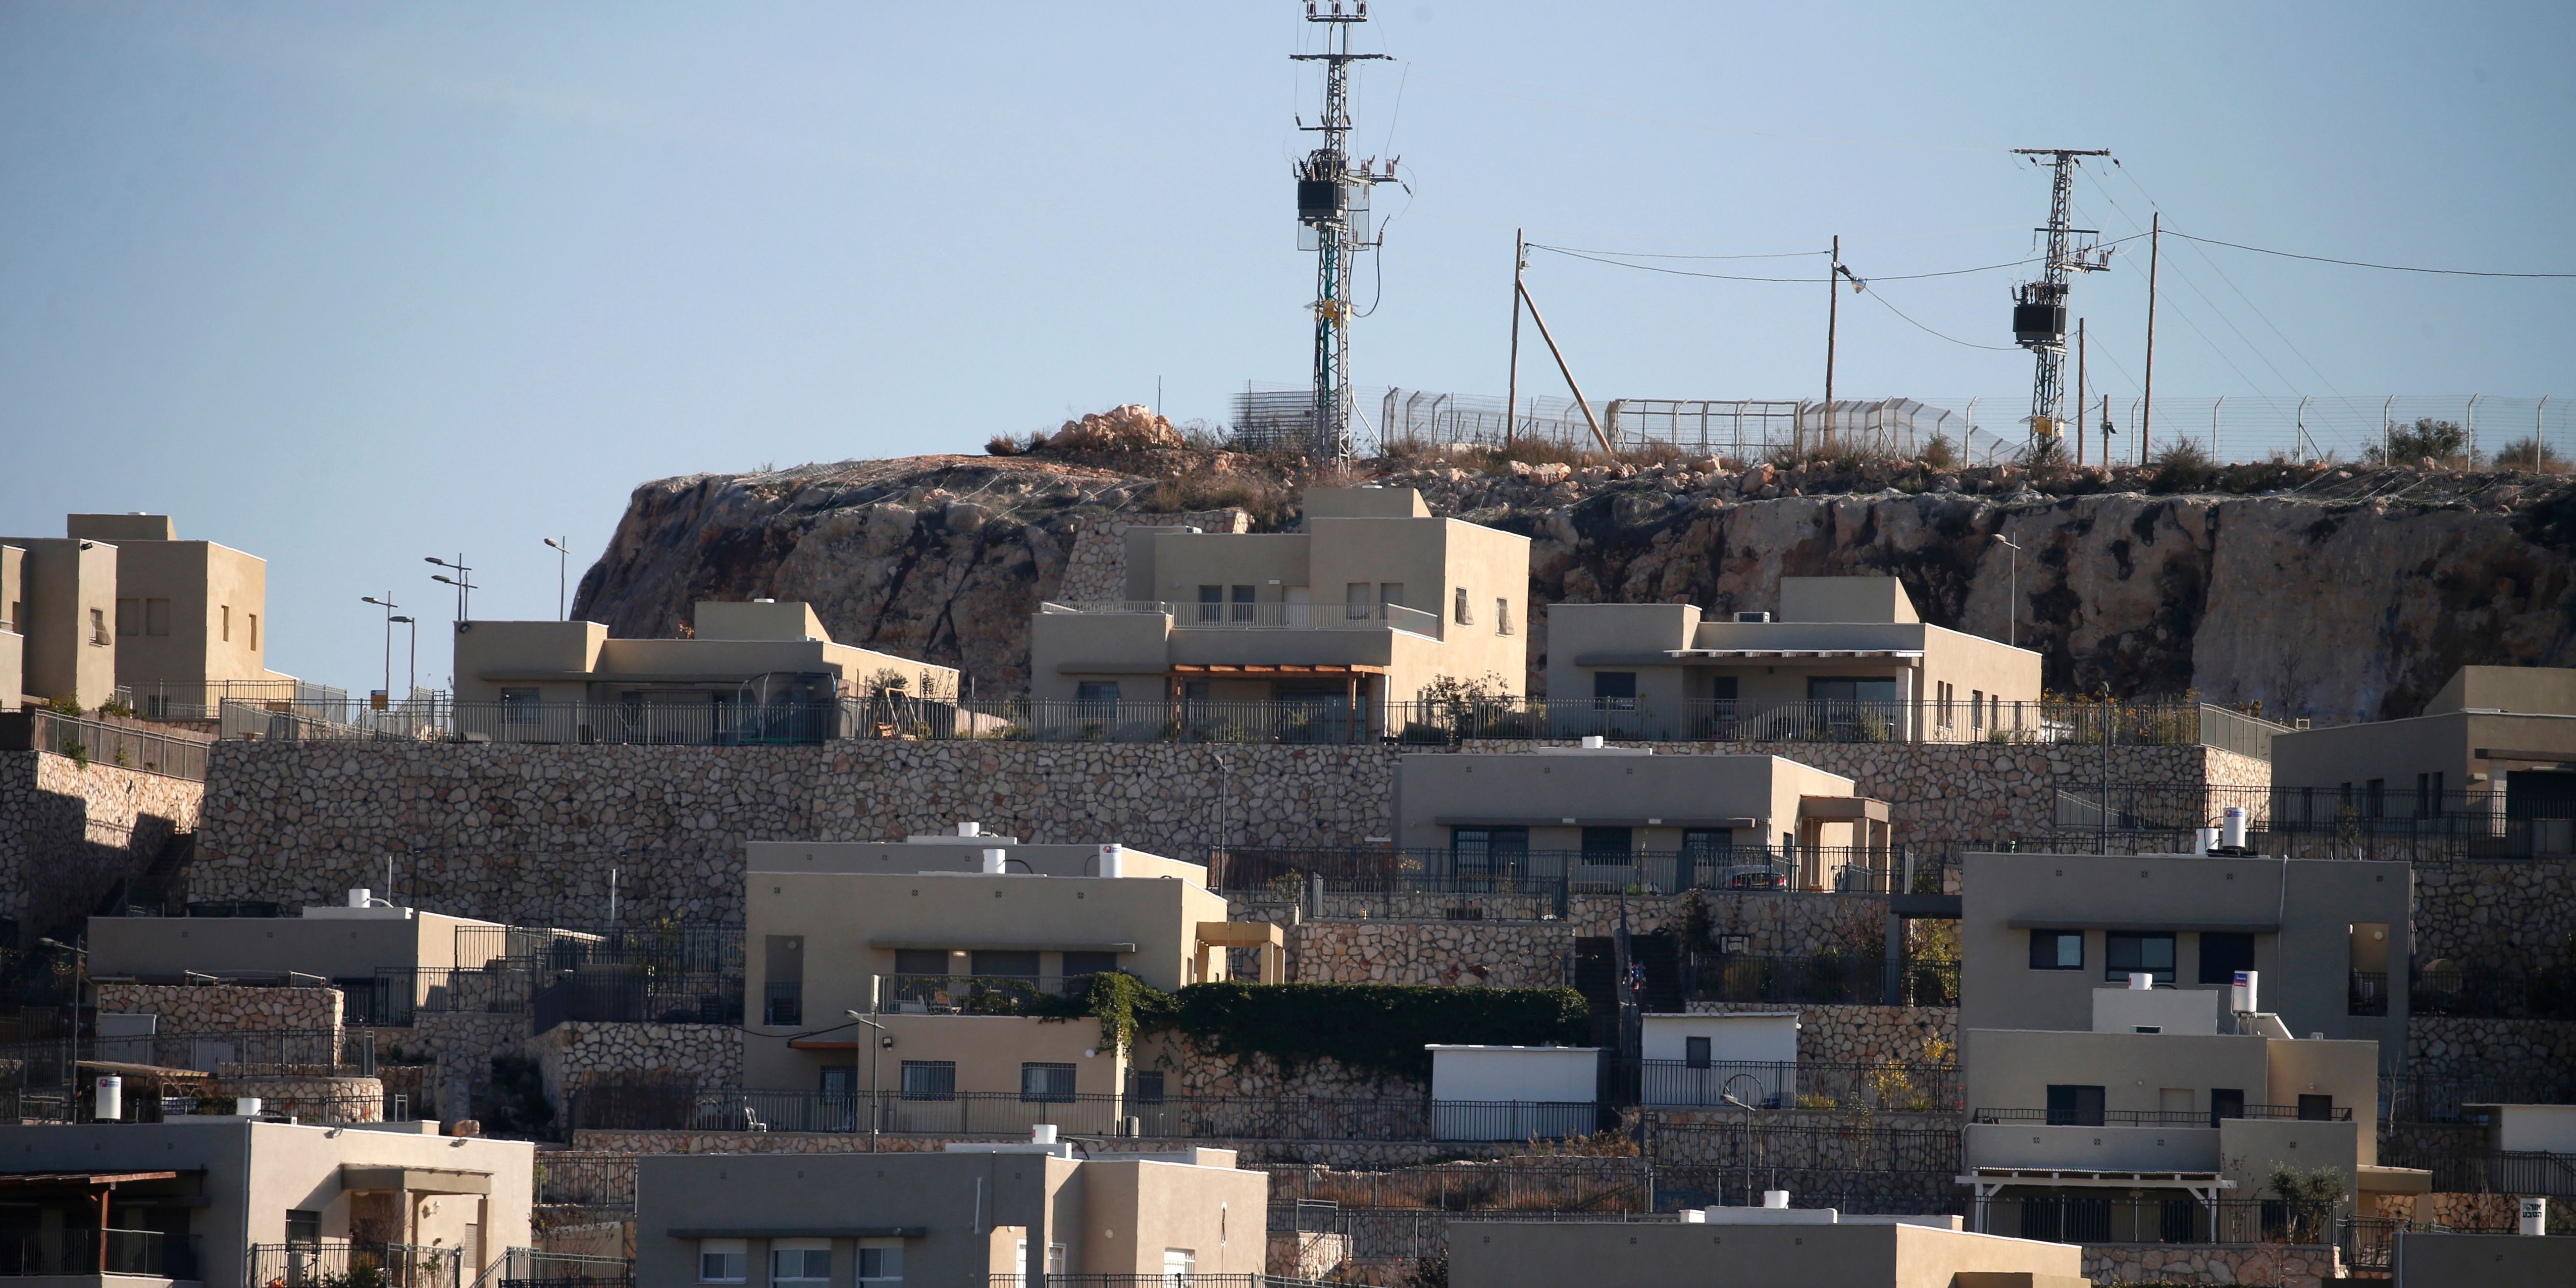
<point>1378,1028</point>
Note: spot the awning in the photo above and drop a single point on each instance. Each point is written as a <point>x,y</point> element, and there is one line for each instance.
<point>1842,807</point>
<point>56,1180</point>
<point>1241,934</point>
<point>1987,1178</point>
<point>1277,668</point>
<point>417,1180</point>
<point>2095,921</point>
<point>1679,656</point>
<point>2393,1180</point>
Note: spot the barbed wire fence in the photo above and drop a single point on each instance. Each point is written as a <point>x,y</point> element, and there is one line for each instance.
<point>1979,429</point>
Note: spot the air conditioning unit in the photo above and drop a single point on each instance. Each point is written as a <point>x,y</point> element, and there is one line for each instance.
<point>1753,617</point>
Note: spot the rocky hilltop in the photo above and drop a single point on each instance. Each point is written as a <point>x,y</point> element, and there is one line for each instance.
<point>2337,593</point>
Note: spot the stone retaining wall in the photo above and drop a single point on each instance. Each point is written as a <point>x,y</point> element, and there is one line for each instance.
<point>1344,1154</point>
<point>577,1052</point>
<point>217,1008</point>
<point>70,832</point>
<point>2496,915</point>
<point>2283,1265</point>
<point>335,1099</point>
<point>1097,567</point>
<point>529,833</point>
<point>1494,954</point>
<point>457,1047</point>
<point>1862,1034</point>
<point>1191,1071</point>
<point>2444,1046</point>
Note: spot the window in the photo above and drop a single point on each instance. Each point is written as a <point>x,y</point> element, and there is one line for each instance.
<point>2316,1109</point>
<point>1607,844</point>
<point>2222,954</point>
<point>1046,1082</point>
<point>254,632</point>
<point>921,961</point>
<point>1614,690</point>
<point>1850,688</point>
<point>1502,617</point>
<point>2374,797</point>
<point>156,620</point>
<point>519,706</point>
<point>783,995</point>
<point>724,1261</point>
<point>1179,1263</point>
<point>1355,600</point>
<point>228,623</point>
<point>98,627</point>
<point>1096,697</point>
<point>1145,1087</point>
<point>881,1263</point>
<point>303,1226</point>
<point>930,1080</point>
<point>2428,795</point>
<point>1487,849</point>
<point>1976,708</point>
<point>1077,965</point>
<point>1243,597</point>
<point>2057,950</point>
<point>2127,952</point>
<point>1459,610</point>
<point>1211,603</point>
<point>129,617</point>
<point>1389,592</point>
<point>2073,1106</point>
<point>1944,695</point>
<point>2226,1102</point>
<point>1010,963</point>
<point>800,1261</point>
<point>1695,1052</point>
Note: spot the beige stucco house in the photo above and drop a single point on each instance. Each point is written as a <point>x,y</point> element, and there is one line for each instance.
<point>1841,657</point>
<point>968,1215</point>
<point>757,671</point>
<point>1687,819</point>
<point>1369,604</point>
<point>230,1202</point>
<point>120,602</point>
<point>61,597</point>
<point>385,958</point>
<point>13,644</point>
<point>2329,938</point>
<point>939,939</point>
<point>2165,1118</point>
<point>2492,759</point>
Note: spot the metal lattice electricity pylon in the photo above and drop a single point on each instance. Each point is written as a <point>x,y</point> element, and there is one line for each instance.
<point>2039,308</point>
<point>1333,210</point>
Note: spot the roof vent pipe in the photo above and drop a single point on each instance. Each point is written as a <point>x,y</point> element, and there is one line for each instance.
<point>360,896</point>
<point>1592,742</point>
<point>2231,827</point>
<point>1775,1199</point>
<point>1113,860</point>
<point>2140,981</point>
<point>970,829</point>
<point>993,862</point>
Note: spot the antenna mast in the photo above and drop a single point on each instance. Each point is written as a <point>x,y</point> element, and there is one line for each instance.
<point>2039,308</point>
<point>1333,221</point>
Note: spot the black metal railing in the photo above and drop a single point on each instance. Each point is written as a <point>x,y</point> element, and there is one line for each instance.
<point>2159,1117</point>
<point>88,1252</point>
<point>1288,872</point>
<point>530,1268</point>
<point>1175,1279</point>
<point>680,1107</point>
<point>2444,1098</point>
<point>1890,1086</point>
<point>342,1264</point>
<point>101,742</point>
<point>2315,822</point>
<point>1824,979</point>
<point>975,994</point>
<point>2180,1219</point>
<point>2543,993</point>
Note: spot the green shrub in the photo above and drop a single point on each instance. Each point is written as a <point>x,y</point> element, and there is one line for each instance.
<point>1376,1028</point>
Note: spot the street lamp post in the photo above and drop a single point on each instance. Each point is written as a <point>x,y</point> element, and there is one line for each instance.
<point>1731,1098</point>
<point>463,582</point>
<point>2012,601</point>
<point>876,1056</point>
<point>411,676</point>
<point>387,603</point>
<point>563,565</point>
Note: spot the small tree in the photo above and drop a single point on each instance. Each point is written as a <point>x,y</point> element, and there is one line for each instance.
<point>2441,441</point>
<point>2183,465</point>
<point>2310,1196</point>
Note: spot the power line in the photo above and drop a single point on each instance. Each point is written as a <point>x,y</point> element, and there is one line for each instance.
<point>2355,263</point>
<point>1676,272</point>
<point>1641,254</point>
<point>1991,348</point>
<point>1598,258</point>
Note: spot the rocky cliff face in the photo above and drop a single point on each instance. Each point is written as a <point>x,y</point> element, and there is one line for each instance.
<point>2315,591</point>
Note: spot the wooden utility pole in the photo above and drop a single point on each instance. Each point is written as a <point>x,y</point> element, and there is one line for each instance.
<point>1833,311</point>
<point>2079,393</point>
<point>1564,370</point>
<point>2106,431</point>
<point>1512,383</point>
<point>2147,409</point>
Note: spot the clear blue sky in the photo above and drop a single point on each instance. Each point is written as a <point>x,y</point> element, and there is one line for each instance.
<point>348,285</point>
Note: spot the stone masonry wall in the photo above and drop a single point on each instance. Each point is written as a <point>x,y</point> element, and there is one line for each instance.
<point>2444,1046</point>
<point>2495,915</point>
<point>458,1048</point>
<point>69,832</point>
<point>576,1052</point>
<point>1495,954</point>
<point>1862,1034</point>
<point>224,1008</point>
<point>1097,568</point>
<point>1191,1071</point>
<point>2279,1265</point>
<point>529,832</point>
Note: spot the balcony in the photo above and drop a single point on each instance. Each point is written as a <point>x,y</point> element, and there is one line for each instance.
<point>977,994</point>
<point>342,1264</point>
<point>1261,617</point>
<point>2185,1147</point>
<point>2167,1118</point>
<point>91,1254</point>
<point>782,1004</point>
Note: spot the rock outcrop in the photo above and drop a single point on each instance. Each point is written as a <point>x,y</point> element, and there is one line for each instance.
<point>2312,590</point>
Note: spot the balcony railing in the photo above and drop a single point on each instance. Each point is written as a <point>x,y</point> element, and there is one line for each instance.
<point>2315,822</point>
<point>1266,616</point>
<point>1825,979</point>
<point>2051,722</point>
<point>2543,993</point>
<point>974,994</point>
<point>1284,871</point>
<point>87,1252</point>
<point>2160,1117</point>
<point>649,1107</point>
<point>2180,1219</point>
<point>100,742</point>
<point>341,1264</point>
<point>1888,1086</point>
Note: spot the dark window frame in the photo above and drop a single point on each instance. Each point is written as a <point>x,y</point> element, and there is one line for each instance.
<point>2050,959</point>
